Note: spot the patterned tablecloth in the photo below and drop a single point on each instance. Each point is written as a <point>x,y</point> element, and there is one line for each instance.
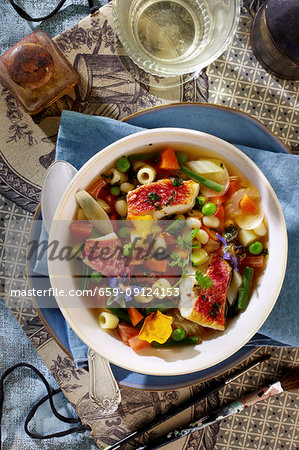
<point>27,148</point>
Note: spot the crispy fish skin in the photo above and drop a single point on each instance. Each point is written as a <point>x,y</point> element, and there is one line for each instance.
<point>161,198</point>
<point>208,306</point>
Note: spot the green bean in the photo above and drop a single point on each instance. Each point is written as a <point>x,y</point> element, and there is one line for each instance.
<point>202,180</point>
<point>244,290</point>
<point>121,313</point>
<point>84,277</point>
<point>176,226</point>
<point>190,340</point>
<point>181,157</point>
<point>162,308</point>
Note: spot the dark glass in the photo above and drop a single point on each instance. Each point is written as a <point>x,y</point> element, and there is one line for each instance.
<point>275,38</point>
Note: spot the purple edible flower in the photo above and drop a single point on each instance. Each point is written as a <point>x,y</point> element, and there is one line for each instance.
<point>222,239</point>
<point>235,262</point>
<point>125,290</point>
<point>226,256</point>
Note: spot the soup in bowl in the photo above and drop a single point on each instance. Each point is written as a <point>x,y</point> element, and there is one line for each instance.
<point>218,251</point>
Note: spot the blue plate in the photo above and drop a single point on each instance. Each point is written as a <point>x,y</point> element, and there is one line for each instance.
<point>220,121</point>
<point>211,119</point>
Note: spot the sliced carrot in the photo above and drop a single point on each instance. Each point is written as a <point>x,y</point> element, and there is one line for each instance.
<point>247,205</point>
<point>95,188</point>
<point>81,229</point>
<point>219,212</point>
<point>156,266</point>
<point>137,344</point>
<point>210,231</point>
<point>219,199</point>
<point>126,332</point>
<point>135,316</point>
<point>234,185</point>
<point>169,160</point>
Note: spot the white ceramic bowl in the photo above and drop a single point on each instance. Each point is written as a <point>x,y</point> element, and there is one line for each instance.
<point>181,360</point>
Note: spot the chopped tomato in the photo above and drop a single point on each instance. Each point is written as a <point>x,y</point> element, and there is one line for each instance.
<point>81,229</point>
<point>234,185</point>
<point>136,262</point>
<point>135,316</point>
<point>137,344</point>
<point>210,231</point>
<point>110,199</point>
<point>95,188</point>
<point>218,200</point>
<point>219,212</point>
<point>169,160</point>
<point>257,262</point>
<point>126,332</point>
<point>156,265</point>
<point>247,205</point>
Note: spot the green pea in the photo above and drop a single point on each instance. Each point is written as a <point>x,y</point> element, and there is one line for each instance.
<point>209,209</point>
<point>127,249</point>
<point>124,232</point>
<point>201,201</point>
<point>178,334</point>
<point>123,164</point>
<point>95,276</point>
<point>181,157</point>
<point>115,190</point>
<point>256,248</point>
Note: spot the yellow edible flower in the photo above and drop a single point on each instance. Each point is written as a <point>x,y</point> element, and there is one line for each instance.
<point>156,327</point>
<point>142,224</point>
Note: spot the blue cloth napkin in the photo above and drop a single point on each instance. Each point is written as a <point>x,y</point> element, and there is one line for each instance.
<point>23,390</point>
<point>81,136</point>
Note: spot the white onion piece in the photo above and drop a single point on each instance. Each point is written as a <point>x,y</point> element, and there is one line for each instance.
<point>250,221</point>
<point>221,177</point>
<point>211,246</point>
<point>232,206</point>
<point>233,210</point>
<point>233,288</point>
